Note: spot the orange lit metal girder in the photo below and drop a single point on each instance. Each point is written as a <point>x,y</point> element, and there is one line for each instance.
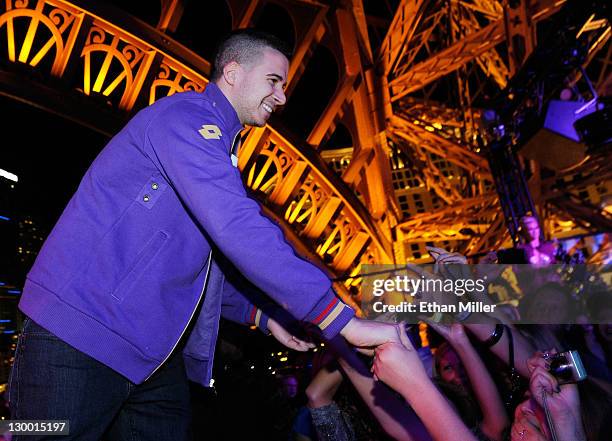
<point>447,60</point>
<point>481,206</point>
<point>360,101</point>
<point>472,46</point>
<point>480,215</point>
<point>519,22</point>
<point>401,31</point>
<point>489,61</point>
<point>588,216</point>
<point>453,152</point>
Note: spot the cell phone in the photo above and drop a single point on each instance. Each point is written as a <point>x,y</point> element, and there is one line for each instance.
<point>567,367</point>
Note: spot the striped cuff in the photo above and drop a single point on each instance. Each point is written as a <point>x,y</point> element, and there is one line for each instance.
<point>330,315</point>
<point>258,318</point>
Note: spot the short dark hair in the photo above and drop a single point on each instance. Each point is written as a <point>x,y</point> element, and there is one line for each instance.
<point>244,46</point>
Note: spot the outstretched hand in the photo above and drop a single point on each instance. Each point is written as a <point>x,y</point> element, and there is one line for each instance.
<point>287,339</point>
<point>366,335</point>
<point>398,364</point>
<point>454,334</point>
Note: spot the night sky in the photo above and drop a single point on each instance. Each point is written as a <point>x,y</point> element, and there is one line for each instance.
<point>49,154</point>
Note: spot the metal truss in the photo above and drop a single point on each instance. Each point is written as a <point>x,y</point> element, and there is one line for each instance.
<point>446,42</point>
<point>424,136</point>
<point>447,60</point>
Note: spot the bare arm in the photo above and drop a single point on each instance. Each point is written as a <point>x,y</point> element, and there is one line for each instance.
<point>522,348</point>
<point>396,418</point>
<point>495,419</point>
<point>323,387</point>
<point>399,366</point>
<point>436,413</point>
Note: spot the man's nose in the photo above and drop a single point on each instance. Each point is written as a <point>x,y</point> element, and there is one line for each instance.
<point>280,98</point>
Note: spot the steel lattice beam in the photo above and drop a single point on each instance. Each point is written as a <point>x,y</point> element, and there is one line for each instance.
<point>401,31</point>
<point>451,151</point>
<point>447,60</point>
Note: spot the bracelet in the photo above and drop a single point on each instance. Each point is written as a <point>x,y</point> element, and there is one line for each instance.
<point>495,336</point>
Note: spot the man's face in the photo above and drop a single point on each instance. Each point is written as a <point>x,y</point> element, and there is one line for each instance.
<point>259,87</point>
<point>291,386</point>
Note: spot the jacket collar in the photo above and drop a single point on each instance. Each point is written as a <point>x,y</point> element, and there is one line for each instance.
<point>225,108</point>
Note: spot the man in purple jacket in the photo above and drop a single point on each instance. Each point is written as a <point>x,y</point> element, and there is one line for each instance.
<point>125,296</point>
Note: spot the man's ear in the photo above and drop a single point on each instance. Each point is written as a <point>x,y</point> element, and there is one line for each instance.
<point>230,72</point>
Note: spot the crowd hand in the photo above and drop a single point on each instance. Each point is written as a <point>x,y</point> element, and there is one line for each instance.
<point>440,255</point>
<point>455,334</point>
<point>429,296</point>
<point>563,401</point>
<point>443,257</point>
<point>366,335</point>
<point>489,267</point>
<point>286,338</point>
<point>398,364</point>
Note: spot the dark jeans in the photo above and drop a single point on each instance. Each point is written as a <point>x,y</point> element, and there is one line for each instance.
<point>51,380</point>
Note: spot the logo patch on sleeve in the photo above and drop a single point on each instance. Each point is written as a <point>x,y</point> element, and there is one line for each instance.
<point>210,131</point>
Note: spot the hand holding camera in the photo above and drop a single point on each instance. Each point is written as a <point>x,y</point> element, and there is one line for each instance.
<point>552,386</point>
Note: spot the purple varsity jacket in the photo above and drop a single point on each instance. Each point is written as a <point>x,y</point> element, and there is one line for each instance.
<point>128,265</point>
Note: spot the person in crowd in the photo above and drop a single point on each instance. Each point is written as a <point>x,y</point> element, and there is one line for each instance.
<point>535,250</point>
<point>576,412</point>
<point>399,366</point>
<point>459,365</point>
<point>331,412</point>
<point>550,303</point>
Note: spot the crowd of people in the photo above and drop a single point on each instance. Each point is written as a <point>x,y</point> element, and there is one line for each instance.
<point>490,378</point>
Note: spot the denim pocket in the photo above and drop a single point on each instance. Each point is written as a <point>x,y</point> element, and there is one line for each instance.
<point>13,380</point>
<point>31,328</point>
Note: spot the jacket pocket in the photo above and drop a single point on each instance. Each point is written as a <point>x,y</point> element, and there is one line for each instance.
<point>140,264</point>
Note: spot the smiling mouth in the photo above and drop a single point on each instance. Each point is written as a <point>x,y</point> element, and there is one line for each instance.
<point>267,108</point>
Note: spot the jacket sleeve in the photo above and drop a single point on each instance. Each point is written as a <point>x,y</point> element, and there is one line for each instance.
<point>237,308</point>
<point>201,173</point>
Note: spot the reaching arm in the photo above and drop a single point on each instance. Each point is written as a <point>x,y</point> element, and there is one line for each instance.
<point>399,366</point>
<point>563,401</point>
<point>323,387</point>
<point>203,178</point>
<point>522,348</point>
<point>396,418</point>
<point>495,419</point>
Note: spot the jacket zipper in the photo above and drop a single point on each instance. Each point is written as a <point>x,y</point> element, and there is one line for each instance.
<point>190,317</point>
<point>233,144</point>
<point>212,381</point>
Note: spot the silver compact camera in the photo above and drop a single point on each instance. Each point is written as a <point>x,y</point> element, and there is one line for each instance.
<point>567,367</point>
